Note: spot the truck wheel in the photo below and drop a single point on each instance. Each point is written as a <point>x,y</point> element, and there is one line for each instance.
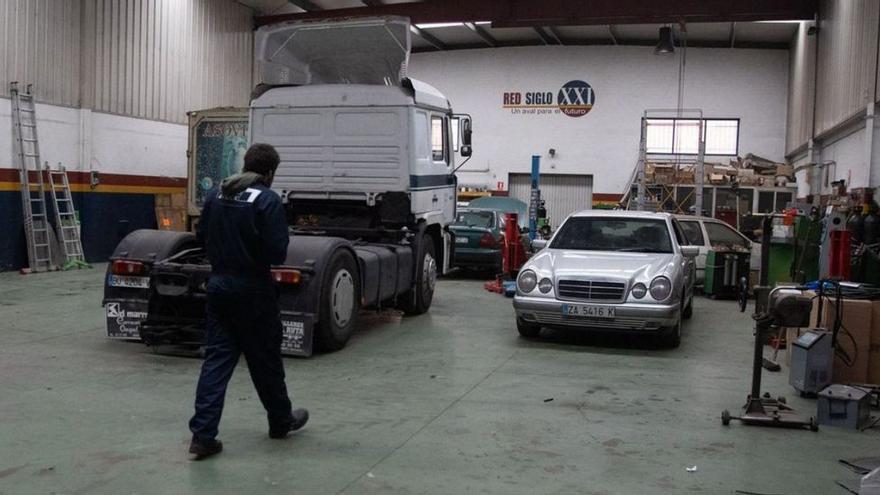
<point>418,300</point>
<point>340,302</point>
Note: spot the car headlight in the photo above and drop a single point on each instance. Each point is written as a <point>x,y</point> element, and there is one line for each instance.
<point>639,290</point>
<point>527,281</point>
<point>545,285</point>
<point>661,287</point>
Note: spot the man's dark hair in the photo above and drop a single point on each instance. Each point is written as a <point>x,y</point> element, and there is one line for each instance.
<point>261,158</point>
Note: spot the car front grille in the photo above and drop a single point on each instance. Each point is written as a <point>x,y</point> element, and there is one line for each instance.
<point>591,290</point>
<point>552,318</point>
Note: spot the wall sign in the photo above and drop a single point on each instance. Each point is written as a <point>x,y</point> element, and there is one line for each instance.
<point>574,99</point>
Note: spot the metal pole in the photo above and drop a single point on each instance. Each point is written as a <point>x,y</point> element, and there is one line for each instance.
<point>640,174</point>
<point>535,196</point>
<point>700,172</point>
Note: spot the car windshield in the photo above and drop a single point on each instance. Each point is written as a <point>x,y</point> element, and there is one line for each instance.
<point>614,234</point>
<point>484,219</point>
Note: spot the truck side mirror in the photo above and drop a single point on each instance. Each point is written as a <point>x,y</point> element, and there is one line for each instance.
<point>466,131</point>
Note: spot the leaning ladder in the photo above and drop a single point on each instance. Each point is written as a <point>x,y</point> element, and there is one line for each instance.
<point>65,219</point>
<point>26,155</point>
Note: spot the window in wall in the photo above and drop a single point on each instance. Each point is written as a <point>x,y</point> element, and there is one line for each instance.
<point>782,200</point>
<point>680,136</point>
<point>765,202</point>
<point>722,136</point>
<point>438,141</point>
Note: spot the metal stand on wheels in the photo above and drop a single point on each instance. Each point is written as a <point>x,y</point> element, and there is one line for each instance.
<point>781,306</point>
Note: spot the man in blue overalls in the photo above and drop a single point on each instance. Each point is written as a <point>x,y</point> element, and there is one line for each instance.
<point>245,232</point>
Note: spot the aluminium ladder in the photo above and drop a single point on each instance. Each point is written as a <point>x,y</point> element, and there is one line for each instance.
<point>65,219</point>
<point>26,155</point>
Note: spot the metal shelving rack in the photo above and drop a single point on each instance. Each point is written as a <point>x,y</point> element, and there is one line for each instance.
<point>644,199</point>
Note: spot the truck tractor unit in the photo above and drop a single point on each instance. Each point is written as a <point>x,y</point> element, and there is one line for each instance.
<point>366,178</point>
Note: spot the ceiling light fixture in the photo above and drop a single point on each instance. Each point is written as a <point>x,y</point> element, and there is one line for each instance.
<point>666,42</point>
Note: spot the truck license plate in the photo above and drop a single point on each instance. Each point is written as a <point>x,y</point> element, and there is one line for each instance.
<point>588,311</point>
<point>129,281</point>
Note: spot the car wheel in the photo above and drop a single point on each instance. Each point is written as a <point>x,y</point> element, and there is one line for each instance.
<point>527,330</point>
<point>671,336</point>
<point>340,302</point>
<point>689,309</point>
<point>418,300</point>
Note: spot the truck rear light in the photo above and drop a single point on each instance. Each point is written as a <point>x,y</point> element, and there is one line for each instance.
<point>286,276</point>
<point>127,267</point>
<point>487,241</point>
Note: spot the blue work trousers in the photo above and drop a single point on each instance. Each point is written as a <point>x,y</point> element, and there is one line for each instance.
<point>240,322</point>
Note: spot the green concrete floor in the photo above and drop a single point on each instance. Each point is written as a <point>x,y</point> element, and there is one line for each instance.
<point>449,402</point>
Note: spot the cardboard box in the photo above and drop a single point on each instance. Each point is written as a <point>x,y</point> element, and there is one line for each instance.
<point>168,218</point>
<point>178,200</point>
<point>791,334</point>
<point>874,365</point>
<point>854,338</point>
<point>786,170</point>
<point>163,200</point>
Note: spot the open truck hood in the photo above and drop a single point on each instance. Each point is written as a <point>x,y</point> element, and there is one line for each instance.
<point>360,51</point>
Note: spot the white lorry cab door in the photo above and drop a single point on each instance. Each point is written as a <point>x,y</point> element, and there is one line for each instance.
<point>431,180</point>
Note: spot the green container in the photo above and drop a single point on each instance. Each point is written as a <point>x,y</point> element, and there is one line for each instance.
<point>723,271</point>
<point>808,234</point>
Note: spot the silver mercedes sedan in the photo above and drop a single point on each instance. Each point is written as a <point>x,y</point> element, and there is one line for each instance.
<point>615,270</point>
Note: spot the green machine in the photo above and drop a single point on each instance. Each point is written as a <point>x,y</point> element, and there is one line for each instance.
<point>724,269</point>
<point>795,258</point>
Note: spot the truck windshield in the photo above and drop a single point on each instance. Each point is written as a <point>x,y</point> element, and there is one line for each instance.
<point>484,219</point>
<point>614,234</point>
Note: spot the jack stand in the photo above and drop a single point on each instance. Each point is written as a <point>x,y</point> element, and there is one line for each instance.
<point>764,410</point>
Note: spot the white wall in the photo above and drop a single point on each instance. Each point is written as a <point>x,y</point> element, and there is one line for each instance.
<point>747,84</point>
<point>84,140</point>
<point>850,161</point>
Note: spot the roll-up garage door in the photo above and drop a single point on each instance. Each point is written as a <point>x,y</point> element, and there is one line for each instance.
<point>563,194</point>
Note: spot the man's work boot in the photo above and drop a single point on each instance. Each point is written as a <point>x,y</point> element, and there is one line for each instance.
<point>298,419</point>
<point>204,450</point>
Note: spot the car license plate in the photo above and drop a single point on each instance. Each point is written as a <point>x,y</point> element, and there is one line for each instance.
<point>588,311</point>
<point>129,281</point>
<point>461,240</point>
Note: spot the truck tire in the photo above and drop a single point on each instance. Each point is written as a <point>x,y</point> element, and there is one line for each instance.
<point>340,302</point>
<point>418,300</point>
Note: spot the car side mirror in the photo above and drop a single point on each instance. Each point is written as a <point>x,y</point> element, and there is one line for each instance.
<point>690,251</point>
<point>538,244</point>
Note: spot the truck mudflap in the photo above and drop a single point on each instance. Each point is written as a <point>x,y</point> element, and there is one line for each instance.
<point>297,333</point>
<point>124,318</point>
<point>296,338</point>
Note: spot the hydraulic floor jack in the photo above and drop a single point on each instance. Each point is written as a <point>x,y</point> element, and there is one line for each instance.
<point>779,307</point>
